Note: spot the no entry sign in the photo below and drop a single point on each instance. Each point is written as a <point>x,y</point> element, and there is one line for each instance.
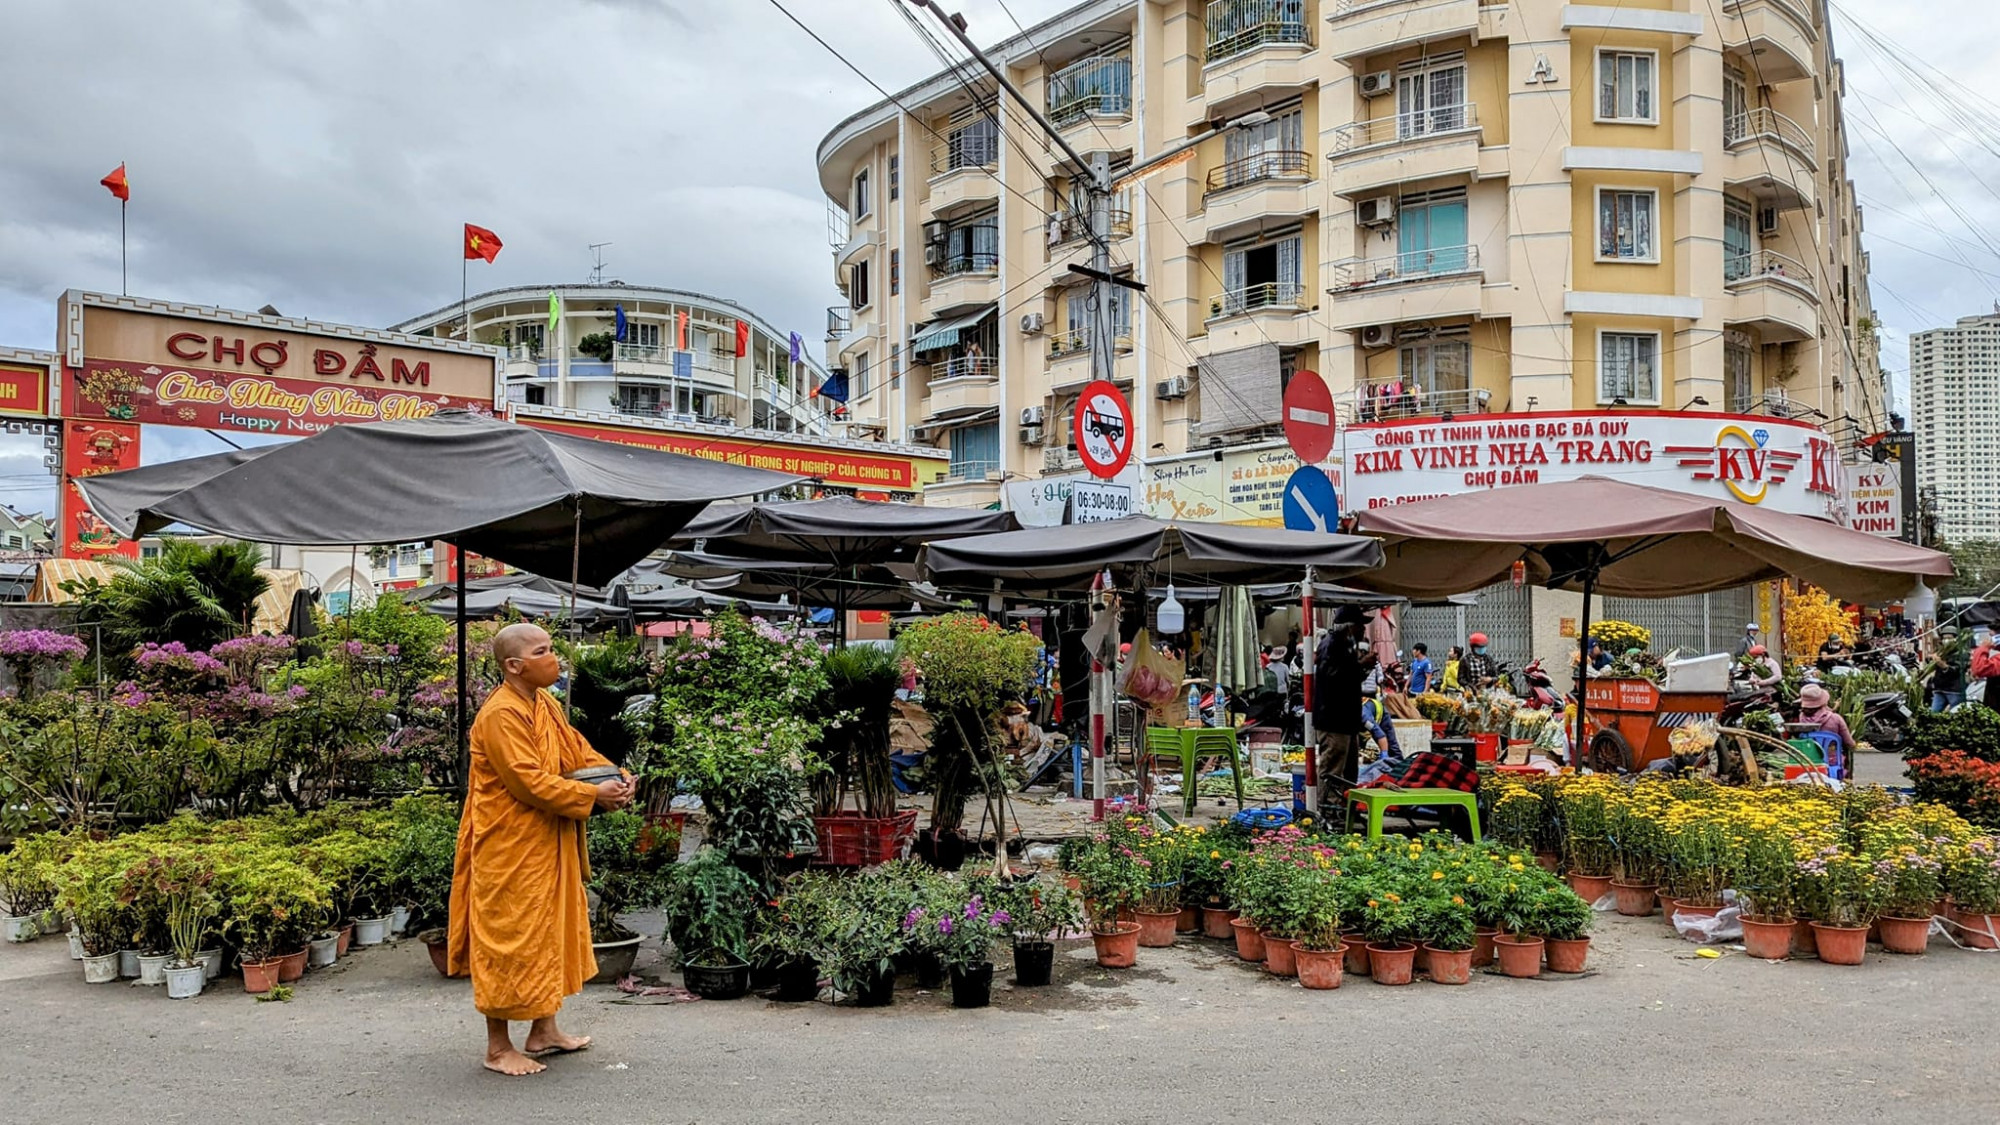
<point>1309,417</point>
<point>1102,429</point>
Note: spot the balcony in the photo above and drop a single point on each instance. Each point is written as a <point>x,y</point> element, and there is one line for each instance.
<point>1369,27</point>
<point>1093,90</point>
<point>1777,34</point>
<point>1275,296</point>
<point>962,385</point>
<point>839,321</point>
<point>963,280</point>
<point>1405,147</point>
<point>962,168</point>
<point>1069,227</point>
<point>651,364</point>
<point>1427,284</point>
<point>1390,402</point>
<point>1250,190</point>
<point>1772,156</point>
<point>1065,345</point>
<point>1772,293</point>
<point>1254,45</point>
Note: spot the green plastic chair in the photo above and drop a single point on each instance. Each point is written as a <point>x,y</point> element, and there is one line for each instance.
<point>1191,744</point>
<point>1381,799</point>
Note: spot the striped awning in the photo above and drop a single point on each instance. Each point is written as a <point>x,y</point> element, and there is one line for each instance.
<point>944,332</point>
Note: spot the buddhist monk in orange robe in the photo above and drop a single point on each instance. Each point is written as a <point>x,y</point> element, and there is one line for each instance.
<point>520,923</point>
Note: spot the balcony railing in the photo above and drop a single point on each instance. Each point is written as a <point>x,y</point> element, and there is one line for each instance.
<point>839,321</point>
<point>1738,269</point>
<point>1344,8</point>
<point>972,148</point>
<point>956,264</point>
<point>1766,123</point>
<point>1411,265</point>
<point>1073,226</point>
<point>1100,86</point>
<point>1288,295</point>
<point>965,367</point>
<point>971,470</point>
<point>1239,26</point>
<point>1401,127</point>
<point>1380,402</point>
<point>1255,169</point>
<point>1790,8</point>
<point>1077,342</point>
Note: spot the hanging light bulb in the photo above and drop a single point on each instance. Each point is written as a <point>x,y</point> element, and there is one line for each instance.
<point>1519,572</point>
<point>1173,615</point>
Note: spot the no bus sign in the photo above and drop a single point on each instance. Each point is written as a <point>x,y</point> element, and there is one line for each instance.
<point>1102,429</point>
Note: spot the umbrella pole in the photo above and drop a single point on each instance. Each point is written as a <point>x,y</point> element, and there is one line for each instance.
<point>1100,698</point>
<point>1307,660</point>
<point>464,688</point>
<point>1577,752</point>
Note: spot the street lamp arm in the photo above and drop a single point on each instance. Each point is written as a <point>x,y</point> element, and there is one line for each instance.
<point>1176,153</point>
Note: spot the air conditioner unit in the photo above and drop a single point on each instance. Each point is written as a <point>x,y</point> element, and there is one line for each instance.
<point>1174,386</point>
<point>1054,458</point>
<point>1378,336</point>
<point>1377,212</point>
<point>1767,220</point>
<point>1379,83</point>
<point>936,230</point>
<point>1031,435</point>
<point>1031,415</point>
<point>1031,324</point>
<point>934,254</point>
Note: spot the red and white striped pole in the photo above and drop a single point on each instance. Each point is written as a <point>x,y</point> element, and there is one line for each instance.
<point>1309,657</point>
<point>1099,702</point>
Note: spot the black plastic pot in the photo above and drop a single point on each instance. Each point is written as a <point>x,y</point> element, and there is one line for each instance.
<point>946,851</point>
<point>798,982</point>
<point>1033,962</point>
<point>877,993</point>
<point>763,975</point>
<point>972,986</point>
<point>930,973</point>
<point>727,982</point>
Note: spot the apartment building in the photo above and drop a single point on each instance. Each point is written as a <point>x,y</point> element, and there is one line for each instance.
<point>1456,205</point>
<point>1955,414</point>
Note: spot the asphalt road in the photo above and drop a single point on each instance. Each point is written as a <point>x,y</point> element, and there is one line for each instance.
<point>1651,1035</point>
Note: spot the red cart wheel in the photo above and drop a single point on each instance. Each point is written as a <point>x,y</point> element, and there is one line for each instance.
<point>1610,753</point>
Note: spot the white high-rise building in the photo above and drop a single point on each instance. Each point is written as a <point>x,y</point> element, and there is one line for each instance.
<point>1955,412</point>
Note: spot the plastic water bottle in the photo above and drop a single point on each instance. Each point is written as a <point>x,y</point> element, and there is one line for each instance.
<point>1217,716</point>
<point>1194,705</point>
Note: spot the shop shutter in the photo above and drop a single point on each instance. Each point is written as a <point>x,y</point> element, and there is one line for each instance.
<point>1695,624</point>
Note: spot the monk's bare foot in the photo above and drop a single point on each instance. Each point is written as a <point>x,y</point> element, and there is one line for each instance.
<point>554,1042</point>
<point>512,1062</point>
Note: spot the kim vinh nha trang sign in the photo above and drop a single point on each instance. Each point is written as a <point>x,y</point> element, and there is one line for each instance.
<point>1777,463</point>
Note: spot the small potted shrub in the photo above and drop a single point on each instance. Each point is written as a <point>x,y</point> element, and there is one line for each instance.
<point>1913,882</point>
<point>962,937</point>
<point>1766,891</point>
<point>709,903</point>
<point>1843,896</point>
<point>790,930</point>
<point>1512,907</point>
<point>1249,881</point>
<point>1563,920</point>
<point>1317,947</point>
<point>25,892</point>
<point>191,907</point>
<point>1042,913</point>
<point>273,903</point>
<point>1202,884</point>
<point>425,828</point>
<point>626,873</point>
<point>91,900</point>
<point>1162,857</point>
<point>1112,881</point>
<point>862,935</point>
<point>1446,927</point>
<point>1390,922</point>
<point>1973,879</point>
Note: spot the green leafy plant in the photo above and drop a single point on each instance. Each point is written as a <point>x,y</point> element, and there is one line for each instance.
<point>1561,914</point>
<point>1445,921</point>
<point>597,345</point>
<point>859,699</point>
<point>426,845</point>
<point>1042,910</point>
<point>709,903</point>
<point>969,665</point>
<point>1112,881</point>
<point>626,872</point>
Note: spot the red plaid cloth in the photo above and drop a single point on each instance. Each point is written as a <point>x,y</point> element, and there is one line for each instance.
<point>1432,771</point>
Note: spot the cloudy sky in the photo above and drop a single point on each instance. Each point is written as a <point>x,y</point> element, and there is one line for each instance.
<point>320,157</point>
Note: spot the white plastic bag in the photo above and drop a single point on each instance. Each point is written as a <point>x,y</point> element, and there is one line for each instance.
<point>1726,926</point>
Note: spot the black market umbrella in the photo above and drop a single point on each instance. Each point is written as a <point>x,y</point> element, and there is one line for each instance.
<point>811,584</point>
<point>1066,557</point>
<point>530,602</point>
<point>840,530</point>
<point>119,499</point>
<point>503,582</point>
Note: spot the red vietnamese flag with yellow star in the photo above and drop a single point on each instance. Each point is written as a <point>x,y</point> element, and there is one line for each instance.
<point>481,243</point>
<point>118,185</point>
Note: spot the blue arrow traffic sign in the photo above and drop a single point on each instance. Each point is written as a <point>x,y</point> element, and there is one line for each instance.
<point>1310,503</point>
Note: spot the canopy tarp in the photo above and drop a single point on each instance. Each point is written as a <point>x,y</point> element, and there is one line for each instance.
<point>840,530</point>
<point>1066,556</point>
<point>530,602</point>
<point>530,498</point>
<point>1645,543</point>
<point>54,572</point>
<point>945,331</point>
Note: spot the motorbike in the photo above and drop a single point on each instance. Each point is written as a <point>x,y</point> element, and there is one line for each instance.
<point>1536,689</point>
<point>1745,696</point>
<point>1885,721</point>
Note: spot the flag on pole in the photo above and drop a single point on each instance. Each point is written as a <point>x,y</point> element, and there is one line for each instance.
<point>681,330</point>
<point>481,243</point>
<point>117,184</point>
<point>555,315</point>
<point>834,388</point>
<point>798,348</point>
<point>618,322</point>
<point>742,339</point>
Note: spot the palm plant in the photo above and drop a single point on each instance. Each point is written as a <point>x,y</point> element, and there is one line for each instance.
<point>195,594</point>
<point>861,693</point>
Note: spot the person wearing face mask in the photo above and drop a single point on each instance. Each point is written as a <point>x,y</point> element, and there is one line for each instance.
<point>1479,669</point>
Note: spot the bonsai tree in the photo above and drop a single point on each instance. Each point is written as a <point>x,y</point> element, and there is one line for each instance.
<point>709,903</point>
<point>597,345</point>
<point>628,871</point>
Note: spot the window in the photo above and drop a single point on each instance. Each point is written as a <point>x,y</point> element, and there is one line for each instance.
<point>864,200</point>
<point>1625,86</point>
<point>858,386</point>
<point>975,451</point>
<point>1625,225</point>
<point>1430,97</point>
<point>1257,276</point>
<point>973,142</point>
<point>1737,385</point>
<point>1082,318</point>
<point>535,396</point>
<point>857,285</point>
<point>1432,235</point>
<point>972,246</point>
<point>895,272</point>
<point>1737,244</point>
<point>1275,148</point>
<point>1629,367</point>
<point>895,176</point>
<point>639,400</point>
<point>529,334</point>
<point>1735,103</point>
<point>895,364</point>
<point>642,335</point>
<point>1437,365</point>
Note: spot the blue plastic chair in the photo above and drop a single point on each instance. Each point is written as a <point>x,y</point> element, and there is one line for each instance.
<point>1829,746</point>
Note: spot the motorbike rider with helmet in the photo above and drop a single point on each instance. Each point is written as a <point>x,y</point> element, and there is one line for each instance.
<point>1764,671</point>
<point>1480,669</point>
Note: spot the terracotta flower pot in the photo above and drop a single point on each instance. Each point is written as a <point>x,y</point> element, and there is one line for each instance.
<point>1449,966</point>
<point>1357,954</point>
<point>1685,906</point>
<point>1482,947</point>
<point>1635,900</point>
<point>260,976</point>
<point>1279,957</point>
<point>1190,920</point>
<point>1156,930</point>
<point>1589,888</point>
<point>1904,935</point>
<point>1215,922</point>
<point>1319,968</point>
<point>1118,950</point>
<point>346,939</point>
<point>1666,897</point>
<point>1841,945</point>
<point>1566,955</point>
<point>1519,957</point>
<point>1391,964</point>
<point>1978,931</point>
<point>1072,882</point>
<point>1804,944</point>
<point>440,956</point>
<point>1766,939</point>
<point>291,967</point>
<point>1249,943</point>
<point>1422,962</point>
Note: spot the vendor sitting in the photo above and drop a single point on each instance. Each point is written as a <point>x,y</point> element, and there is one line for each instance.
<point>1813,711</point>
<point>1764,671</point>
<point>1376,720</point>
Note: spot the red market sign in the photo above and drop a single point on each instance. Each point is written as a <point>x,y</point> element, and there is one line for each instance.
<point>1786,465</point>
<point>224,400</point>
<point>1309,425</point>
<point>24,391</point>
<point>93,449</point>
<point>1102,429</point>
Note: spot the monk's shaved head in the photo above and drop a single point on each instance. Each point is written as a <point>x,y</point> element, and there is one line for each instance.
<point>516,641</point>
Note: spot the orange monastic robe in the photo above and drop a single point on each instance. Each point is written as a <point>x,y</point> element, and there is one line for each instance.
<point>520,924</point>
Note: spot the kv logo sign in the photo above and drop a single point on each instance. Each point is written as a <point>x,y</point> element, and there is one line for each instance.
<point>1741,460</point>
